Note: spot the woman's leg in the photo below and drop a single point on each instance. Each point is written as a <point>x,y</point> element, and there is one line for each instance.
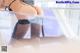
<point>20,29</point>
<point>35,30</point>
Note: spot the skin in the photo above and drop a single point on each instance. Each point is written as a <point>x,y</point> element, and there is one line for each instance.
<point>20,7</point>
<point>1,4</point>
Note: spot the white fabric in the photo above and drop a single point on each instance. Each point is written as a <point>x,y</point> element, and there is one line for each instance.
<point>5,19</point>
<point>6,25</point>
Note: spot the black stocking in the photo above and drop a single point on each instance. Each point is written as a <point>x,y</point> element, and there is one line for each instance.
<point>35,30</point>
<point>20,30</point>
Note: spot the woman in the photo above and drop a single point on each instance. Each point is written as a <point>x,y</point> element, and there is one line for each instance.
<point>23,22</point>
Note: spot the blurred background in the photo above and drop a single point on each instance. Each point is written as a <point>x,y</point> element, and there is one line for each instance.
<point>66,13</point>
